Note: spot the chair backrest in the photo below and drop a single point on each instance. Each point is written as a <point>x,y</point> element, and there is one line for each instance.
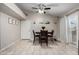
<point>33,33</point>
<point>52,32</point>
<point>44,33</point>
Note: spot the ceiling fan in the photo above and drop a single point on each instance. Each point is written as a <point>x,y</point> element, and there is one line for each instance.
<point>41,8</point>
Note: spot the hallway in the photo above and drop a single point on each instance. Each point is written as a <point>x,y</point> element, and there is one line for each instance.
<point>26,47</point>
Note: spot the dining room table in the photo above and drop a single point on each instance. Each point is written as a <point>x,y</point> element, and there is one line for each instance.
<point>49,33</point>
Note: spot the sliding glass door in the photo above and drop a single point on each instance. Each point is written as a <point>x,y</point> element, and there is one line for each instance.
<point>73,28</point>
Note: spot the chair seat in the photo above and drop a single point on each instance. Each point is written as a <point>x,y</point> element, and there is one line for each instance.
<point>49,35</point>
<point>37,35</point>
<point>43,37</point>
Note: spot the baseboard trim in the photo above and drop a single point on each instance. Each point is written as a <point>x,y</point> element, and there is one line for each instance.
<point>8,46</point>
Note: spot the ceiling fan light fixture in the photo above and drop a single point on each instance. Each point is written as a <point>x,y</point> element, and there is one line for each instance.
<point>40,11</point>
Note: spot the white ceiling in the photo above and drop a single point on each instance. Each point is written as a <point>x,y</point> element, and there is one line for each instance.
<point>57,9</point>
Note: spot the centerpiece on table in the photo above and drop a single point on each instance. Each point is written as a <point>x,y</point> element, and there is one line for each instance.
<point>43,27</point>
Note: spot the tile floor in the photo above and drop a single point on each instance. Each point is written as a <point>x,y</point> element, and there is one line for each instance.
<point>26,47</point>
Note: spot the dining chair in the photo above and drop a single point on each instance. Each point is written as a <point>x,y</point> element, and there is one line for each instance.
<point>51,35</point>
<point>44,36</point>
<point>35,35</point>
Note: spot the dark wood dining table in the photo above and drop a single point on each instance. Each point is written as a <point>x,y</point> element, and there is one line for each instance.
<point>38,33</point>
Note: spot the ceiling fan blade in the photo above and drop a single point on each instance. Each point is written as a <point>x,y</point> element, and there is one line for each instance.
<point>34,8</point>
<point>47,8</point>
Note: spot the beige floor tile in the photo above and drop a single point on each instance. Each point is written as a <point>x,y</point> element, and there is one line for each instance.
<point>26,47</point>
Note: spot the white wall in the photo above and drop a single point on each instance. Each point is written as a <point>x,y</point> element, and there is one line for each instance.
<point>9,32</point>
<point>58,29</point>
<point>78,26</point>
<point>0,31</point>
<point>62,29</point>
<point>27,25</point>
